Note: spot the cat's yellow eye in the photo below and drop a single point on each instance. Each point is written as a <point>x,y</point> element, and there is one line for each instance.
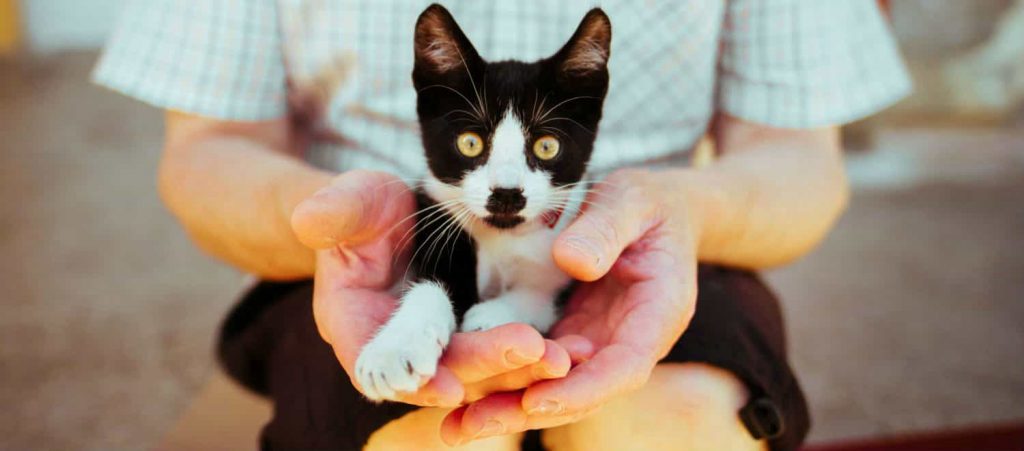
<point>546,148</point>
<point>470,144</point>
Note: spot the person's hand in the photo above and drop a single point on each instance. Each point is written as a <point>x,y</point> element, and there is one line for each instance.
<point>634,247</point>
<point>361,226</point>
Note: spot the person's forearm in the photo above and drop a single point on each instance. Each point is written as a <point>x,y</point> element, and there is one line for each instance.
<point>234,194</point>
<point>770,198</point>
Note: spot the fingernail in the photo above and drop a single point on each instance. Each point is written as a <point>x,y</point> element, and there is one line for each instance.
<point>514,357</point>
<point>546,407</point>
<point>491,427</point>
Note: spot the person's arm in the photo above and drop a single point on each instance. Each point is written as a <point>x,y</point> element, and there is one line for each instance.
<point>771,196</point>
<point>233,186</point>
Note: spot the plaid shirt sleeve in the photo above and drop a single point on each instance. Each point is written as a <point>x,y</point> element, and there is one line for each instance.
<point>807,63</point>
<point>215,58</point>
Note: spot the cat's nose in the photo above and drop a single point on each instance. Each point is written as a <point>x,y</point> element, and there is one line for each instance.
<point>506,200</point>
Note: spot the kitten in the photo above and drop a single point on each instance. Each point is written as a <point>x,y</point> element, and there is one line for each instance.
<point>507,145</point>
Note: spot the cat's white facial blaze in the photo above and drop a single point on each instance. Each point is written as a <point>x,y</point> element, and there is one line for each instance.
<point>506,168</point>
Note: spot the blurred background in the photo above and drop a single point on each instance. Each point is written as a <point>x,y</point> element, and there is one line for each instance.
<point>909,319</point>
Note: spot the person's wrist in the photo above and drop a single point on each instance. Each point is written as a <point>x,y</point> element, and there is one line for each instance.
<point>699,201</point>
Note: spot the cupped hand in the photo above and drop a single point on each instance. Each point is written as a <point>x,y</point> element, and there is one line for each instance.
<point>360,226</point>
<point>633,246</point>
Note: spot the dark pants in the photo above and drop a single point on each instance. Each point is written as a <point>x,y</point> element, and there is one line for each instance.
<point>270,344</point>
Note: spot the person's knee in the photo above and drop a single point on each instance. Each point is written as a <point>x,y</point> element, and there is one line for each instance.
<point>420,430</point>
<point>683,406</point>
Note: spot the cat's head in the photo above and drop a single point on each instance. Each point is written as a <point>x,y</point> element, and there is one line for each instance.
<point>506,141</point>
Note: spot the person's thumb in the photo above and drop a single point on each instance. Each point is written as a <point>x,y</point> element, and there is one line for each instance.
<point>357,207</point>
<point>616,217</point>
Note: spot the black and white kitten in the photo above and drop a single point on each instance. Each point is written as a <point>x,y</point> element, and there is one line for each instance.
<point>507,145</point>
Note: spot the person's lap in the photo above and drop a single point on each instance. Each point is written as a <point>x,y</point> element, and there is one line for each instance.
<point>687,406</point>
<point>732,356</point>
<point>684,406</point>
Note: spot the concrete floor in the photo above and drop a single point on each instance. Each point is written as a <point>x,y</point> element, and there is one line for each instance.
<point>908,318</point>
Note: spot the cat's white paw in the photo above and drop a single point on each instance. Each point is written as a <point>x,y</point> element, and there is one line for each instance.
<point>403,356</point>
<point>515,308</point>
<point>399,361</point>
<point>488,315</point>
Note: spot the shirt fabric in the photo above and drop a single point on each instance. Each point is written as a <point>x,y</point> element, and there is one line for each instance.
<point>347,64</point>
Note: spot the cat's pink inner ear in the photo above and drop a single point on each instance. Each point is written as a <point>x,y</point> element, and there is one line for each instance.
<point>589,49</point>
<point>436,45</point>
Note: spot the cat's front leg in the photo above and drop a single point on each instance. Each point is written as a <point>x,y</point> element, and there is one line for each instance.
<point>404,354</point>
<point>536,308</point>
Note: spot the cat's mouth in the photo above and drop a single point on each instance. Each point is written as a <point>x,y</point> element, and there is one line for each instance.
<point>504,220</point>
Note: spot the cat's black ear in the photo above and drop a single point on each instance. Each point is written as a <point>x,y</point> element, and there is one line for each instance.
<point>440,45</point>
<point>587,52</point>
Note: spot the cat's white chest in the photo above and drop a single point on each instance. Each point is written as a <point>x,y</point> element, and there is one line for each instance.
<point>517,261</point>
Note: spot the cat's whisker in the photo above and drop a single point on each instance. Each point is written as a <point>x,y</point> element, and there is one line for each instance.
<point>467,113</point>
<point>437,213</point>
<point>455,242</point>
<point>423,243</point>
<point>479,113</point>
<point>584,191</point>
<point>442,237</point>
<point>436,207</point>
<point>426,209</point>
<point>480,102</point>
<point>408,182</point>
<point>554,131</point>
<point>533,110</point>
<point>448,229</point>
<point>586,202</point>
<point>561,118</point>
<point>592,182</point>
<point>410,234</point>
<point>451,232</point>
<point>559,132</point>
<point>541,108</point>
<point>574,187</point>
<point>552,109</point>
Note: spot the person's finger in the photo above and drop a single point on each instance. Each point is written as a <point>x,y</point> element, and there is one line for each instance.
<point>613,370</point>
<point>451,427</point>
<point>620,215</point>
<point>513,417</point>
<point>475,356</point>
<point>333,310</point>
<point>554,364</point>
<point>443,390</point>
<point>496,414</point>
<point>357,207</point>
<point>579,348</point>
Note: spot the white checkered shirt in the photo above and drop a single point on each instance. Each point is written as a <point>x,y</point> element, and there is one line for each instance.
<point>784,63</point>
